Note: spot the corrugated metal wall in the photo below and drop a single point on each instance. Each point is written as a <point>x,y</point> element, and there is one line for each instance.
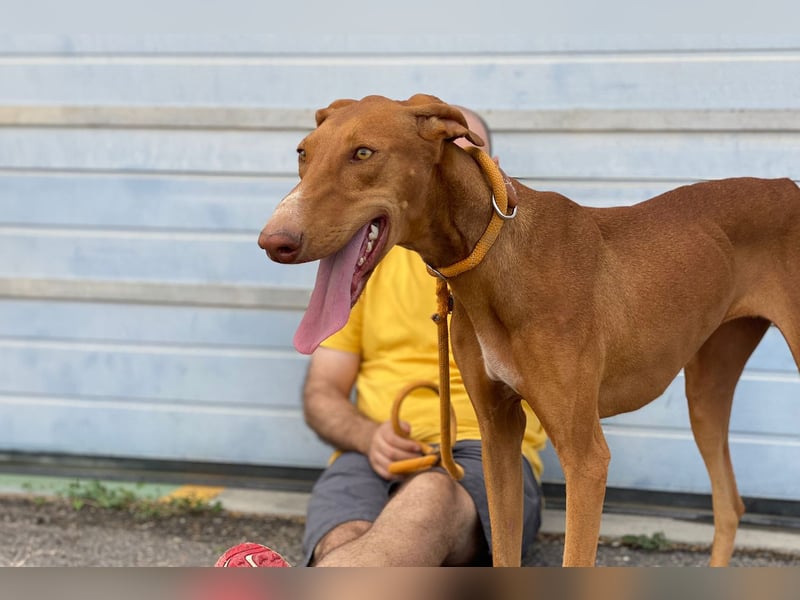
<point>138,318</point>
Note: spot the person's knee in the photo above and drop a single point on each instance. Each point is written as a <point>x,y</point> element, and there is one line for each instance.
<point>339,536</point>
<point>443,509</point>
<point>436,495</point>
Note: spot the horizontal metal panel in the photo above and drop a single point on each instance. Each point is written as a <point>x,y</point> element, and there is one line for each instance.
<point>164,432</point>
<point>194,151</point>
<point>202,204</point>
<point>772,355</point>
<point>134,256</point>
<point>653,448</point>
<point>153,374</point>
<point>764,404</point>
<point>249,44</point>
<point>737,80</point>
<point>595,155</point>
<point>765,466</point>
<point>148,324</point>
<point>650,156</point>
<point>208,204</point>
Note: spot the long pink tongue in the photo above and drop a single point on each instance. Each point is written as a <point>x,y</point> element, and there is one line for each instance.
<point>329,307</point>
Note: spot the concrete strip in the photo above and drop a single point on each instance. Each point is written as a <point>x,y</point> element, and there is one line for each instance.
<point>294,504</point>
<point>679,531</point>
<point>614,526</point>
<point>44,486</point>
<point>285,504</point>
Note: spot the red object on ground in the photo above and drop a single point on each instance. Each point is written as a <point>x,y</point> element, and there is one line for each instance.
<point>250,554</point>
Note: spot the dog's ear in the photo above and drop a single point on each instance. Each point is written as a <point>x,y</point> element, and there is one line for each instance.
<point>324,113</point>
<point>440,121</point>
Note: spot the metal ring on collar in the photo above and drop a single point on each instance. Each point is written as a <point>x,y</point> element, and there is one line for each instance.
<point>435,272</point>
<point>500,213</point>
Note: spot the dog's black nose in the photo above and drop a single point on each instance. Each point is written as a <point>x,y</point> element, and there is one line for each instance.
<point>281,247</point>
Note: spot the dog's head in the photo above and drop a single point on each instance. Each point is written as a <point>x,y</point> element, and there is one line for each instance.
<point>362,172</point>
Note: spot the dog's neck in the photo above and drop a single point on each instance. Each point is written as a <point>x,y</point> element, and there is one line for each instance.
<point>457,209</point>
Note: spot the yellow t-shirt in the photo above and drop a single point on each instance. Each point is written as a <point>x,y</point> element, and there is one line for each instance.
<point>402,347</point>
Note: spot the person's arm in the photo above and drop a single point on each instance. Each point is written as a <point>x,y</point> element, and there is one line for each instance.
<point>326,401</point>
<point>335,419</point>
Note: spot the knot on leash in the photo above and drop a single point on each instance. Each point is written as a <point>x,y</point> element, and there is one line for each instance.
<point>431,453</point>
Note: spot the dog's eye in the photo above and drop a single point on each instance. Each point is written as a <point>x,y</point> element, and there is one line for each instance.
<point>301,154</point>
<point>363,153</point>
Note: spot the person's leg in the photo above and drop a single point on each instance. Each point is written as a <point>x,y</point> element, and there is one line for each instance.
<point>445,515</point>
<point>344,502</point>
<point>468,452</point>
<point>430,521</point>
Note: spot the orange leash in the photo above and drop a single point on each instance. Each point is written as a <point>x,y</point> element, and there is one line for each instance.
<point>445,408</point>
<point>431,455</point>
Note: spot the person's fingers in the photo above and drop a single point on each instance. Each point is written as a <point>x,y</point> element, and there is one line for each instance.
<point>388,447</point>
<point>387,435</point>
<point>397,448</point>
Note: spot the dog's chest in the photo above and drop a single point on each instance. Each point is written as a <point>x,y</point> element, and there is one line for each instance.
<point>498,366</point>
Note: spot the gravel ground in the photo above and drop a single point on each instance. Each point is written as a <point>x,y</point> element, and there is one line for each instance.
<point>37,532</point>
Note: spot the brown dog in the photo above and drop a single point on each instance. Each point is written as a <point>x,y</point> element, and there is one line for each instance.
<point>584,313</point>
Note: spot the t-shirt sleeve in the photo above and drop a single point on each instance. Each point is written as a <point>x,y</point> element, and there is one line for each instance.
<point>348,338</point>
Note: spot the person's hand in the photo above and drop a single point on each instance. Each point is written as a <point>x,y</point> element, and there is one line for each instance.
<point>386,447</point>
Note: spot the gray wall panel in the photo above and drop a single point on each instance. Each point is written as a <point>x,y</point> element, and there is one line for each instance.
<point>137,316</point>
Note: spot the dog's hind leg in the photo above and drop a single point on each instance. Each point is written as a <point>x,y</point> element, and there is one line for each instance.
<point>584,457</point>
<point>711,378</point>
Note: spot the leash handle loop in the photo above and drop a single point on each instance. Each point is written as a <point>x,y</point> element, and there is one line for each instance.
<point>431,454</point>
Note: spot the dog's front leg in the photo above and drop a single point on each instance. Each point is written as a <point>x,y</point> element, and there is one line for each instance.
<point>502,425</point>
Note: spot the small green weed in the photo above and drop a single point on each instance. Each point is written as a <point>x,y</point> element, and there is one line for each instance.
<point>96,494</point>
<point>657,542</point>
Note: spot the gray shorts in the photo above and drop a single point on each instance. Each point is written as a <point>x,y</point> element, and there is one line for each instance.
<point>349,490</point>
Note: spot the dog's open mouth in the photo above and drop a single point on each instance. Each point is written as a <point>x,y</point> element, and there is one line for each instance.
<point>341,278</point>
<point>368,258</point>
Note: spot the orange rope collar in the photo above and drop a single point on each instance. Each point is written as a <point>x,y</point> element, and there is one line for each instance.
<point>500,204</point>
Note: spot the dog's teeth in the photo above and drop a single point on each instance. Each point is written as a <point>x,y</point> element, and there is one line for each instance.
<point>361,261</point>
<point>369,246</point>
<point>373,232</point>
